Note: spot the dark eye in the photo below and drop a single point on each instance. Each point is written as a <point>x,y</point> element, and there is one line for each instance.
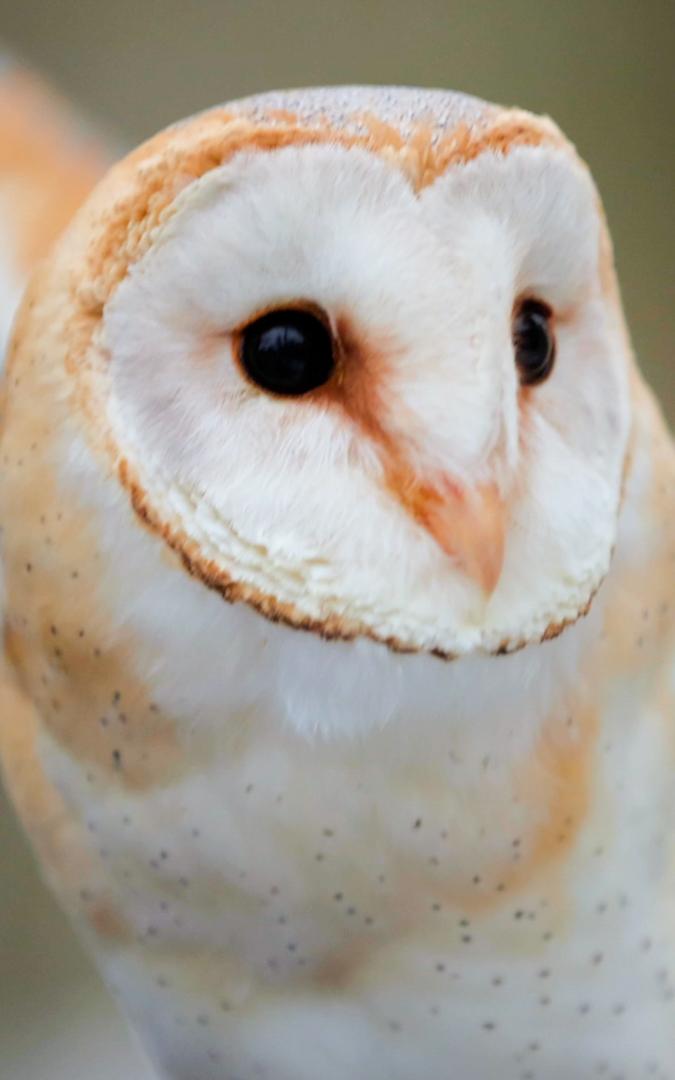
<point>288,352</point>
<point>533,341</point>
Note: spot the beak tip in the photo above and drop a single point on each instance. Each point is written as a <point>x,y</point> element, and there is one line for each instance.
<point>471,529</point>
<point>468,524</point>
<point>483,567</point>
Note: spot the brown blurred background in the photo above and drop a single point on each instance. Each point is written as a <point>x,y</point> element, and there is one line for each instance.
<point>604,69</point>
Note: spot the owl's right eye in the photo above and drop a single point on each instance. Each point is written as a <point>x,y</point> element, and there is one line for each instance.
<point>289,352</point>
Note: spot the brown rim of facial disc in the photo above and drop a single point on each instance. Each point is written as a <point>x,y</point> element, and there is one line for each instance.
<point>121,231</point>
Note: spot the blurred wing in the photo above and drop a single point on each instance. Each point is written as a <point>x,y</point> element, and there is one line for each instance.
<point>48,164</point>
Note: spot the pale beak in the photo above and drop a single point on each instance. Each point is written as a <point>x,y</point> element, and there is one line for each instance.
<point>468,524</point>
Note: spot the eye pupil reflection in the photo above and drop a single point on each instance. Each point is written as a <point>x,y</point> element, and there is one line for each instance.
<point>534,342</point>
<point>288,352</point>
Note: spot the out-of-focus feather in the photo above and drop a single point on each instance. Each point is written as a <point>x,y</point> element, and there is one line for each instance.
<point>49,162</point>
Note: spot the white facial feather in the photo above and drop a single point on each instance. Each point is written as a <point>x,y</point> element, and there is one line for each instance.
<point>291,499</point>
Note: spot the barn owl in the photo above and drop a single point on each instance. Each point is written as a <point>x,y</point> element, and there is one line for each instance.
<point>338,546</point>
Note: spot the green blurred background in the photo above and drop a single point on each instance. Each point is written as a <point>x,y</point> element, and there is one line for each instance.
<point>604,69</point>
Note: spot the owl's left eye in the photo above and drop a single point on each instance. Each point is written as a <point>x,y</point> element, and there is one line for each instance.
<point>288,352</point>
<point>533,341</point>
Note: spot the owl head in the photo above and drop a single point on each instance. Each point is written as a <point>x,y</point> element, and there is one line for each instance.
<point>357,355</point>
